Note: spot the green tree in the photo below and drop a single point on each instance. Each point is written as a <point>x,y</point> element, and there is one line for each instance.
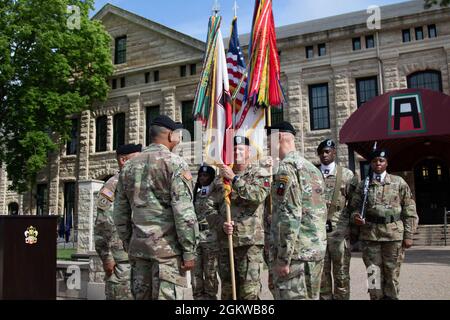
<point>54,63</point>
<point>442,3</point>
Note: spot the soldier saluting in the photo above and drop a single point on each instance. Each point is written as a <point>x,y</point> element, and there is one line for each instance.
<point>155,216</point>
<point>340,183</point>
<point>388,228</point>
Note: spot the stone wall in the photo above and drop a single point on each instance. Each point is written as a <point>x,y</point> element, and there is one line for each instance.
<point>153,47</point>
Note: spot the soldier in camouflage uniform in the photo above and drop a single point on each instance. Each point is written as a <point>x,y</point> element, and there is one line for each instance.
<point>155,216</point>
<point>337,258</point>
<point>107,242</point>
<point>250,188</point>
<point>388,228</point>
<point>298,235</point>
<point>204,279</point>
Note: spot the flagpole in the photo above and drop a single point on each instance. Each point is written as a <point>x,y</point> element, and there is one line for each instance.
<point>216,9</point>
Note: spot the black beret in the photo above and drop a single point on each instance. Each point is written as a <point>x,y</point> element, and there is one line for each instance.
<point>128,149</point>
<point>381,153</point>
<point>282,127</point>
<point>207,169</point>
<point>241,141</point>
<point>166,122</point>
<point>326,144</point>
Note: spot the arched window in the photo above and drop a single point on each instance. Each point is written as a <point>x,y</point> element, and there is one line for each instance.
<point>13,209</point>
<point>430,79</point>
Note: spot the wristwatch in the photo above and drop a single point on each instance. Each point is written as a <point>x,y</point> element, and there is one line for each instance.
<point>236,179</point>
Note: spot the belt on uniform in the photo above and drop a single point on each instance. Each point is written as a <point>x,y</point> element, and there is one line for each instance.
<point>382,220</point>
<point>202,227</point>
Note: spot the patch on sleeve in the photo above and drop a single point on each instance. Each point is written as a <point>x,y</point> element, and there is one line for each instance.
<point>281,189</point>
<point>187,175</point>
<point>284,178</point>
<point>266,183</point>
<point>107,194</point>
<point>103,203</point>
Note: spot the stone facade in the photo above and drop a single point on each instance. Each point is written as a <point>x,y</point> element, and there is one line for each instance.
<point>152,47</point>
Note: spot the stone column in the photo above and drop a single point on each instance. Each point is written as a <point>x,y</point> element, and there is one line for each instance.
<point>391,74</point>
<point>168,107</point>
<point>293,109</point>
<point>87,194</point>
<point>446,82</point>
<point>3,183</point>
<point>86,136</point>
<point>53,185</point>
<point>134,117</point>
<point>341,109</point>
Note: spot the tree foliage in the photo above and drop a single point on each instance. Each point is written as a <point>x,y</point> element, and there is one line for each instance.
<point>442,3</point>
<point>53,63</point>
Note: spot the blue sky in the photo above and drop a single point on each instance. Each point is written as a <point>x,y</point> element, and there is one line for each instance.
<point>191,17</point>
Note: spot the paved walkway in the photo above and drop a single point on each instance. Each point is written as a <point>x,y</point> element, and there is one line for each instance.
<point>425,274</point>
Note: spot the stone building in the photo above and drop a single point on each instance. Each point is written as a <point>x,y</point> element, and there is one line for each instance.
<point>330,67</point>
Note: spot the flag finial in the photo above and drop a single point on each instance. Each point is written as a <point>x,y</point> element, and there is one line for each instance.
<point>235,8</point>
<point>216,7</point>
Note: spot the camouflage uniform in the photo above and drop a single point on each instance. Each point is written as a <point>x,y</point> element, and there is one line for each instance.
<point>390,218</point>
<point>248,197</point>
<point>204,278</point>
<point>155,218</point>
<point>298,235</point>
<point>338,254</point>
<point>109,246</point>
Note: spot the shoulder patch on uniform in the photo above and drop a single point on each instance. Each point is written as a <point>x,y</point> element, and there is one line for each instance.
<point>107,193</point>
<point>284,179</point>
<point>103,203</point>
<point>187,175</point>
<point>281,189</point>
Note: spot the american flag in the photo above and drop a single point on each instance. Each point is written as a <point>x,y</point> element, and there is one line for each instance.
<point>236,66</point>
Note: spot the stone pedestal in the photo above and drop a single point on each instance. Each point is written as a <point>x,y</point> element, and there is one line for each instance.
<point>87,195</point>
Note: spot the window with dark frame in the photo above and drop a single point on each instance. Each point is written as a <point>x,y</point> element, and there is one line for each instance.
<point>114,84</point>
<point>100,133</point>
<point>370,42</point>
<point>319,106</point>
<point>193,68</point>
<point>322,49</point>
<point>419,33</point>
<point>356,44</point>
<point>70,190</point>
<point>120,55</point>
<point>72,143</point>
<point>277,115</point>
<point>122,82</point>
<point>186,114</point>
<point>183,71</point>
<point>406,34</point>
<point>430,79</point>
<point>432,31</point>
<point>150,113</point>
<point>366,89</point>
<point>147,77</point>
<point>309,52</point>
<point>156,75</point>
<point>118,130</point>
<point>42,199</point>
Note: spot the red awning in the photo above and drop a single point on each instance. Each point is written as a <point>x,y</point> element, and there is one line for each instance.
<point>414,123</point>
